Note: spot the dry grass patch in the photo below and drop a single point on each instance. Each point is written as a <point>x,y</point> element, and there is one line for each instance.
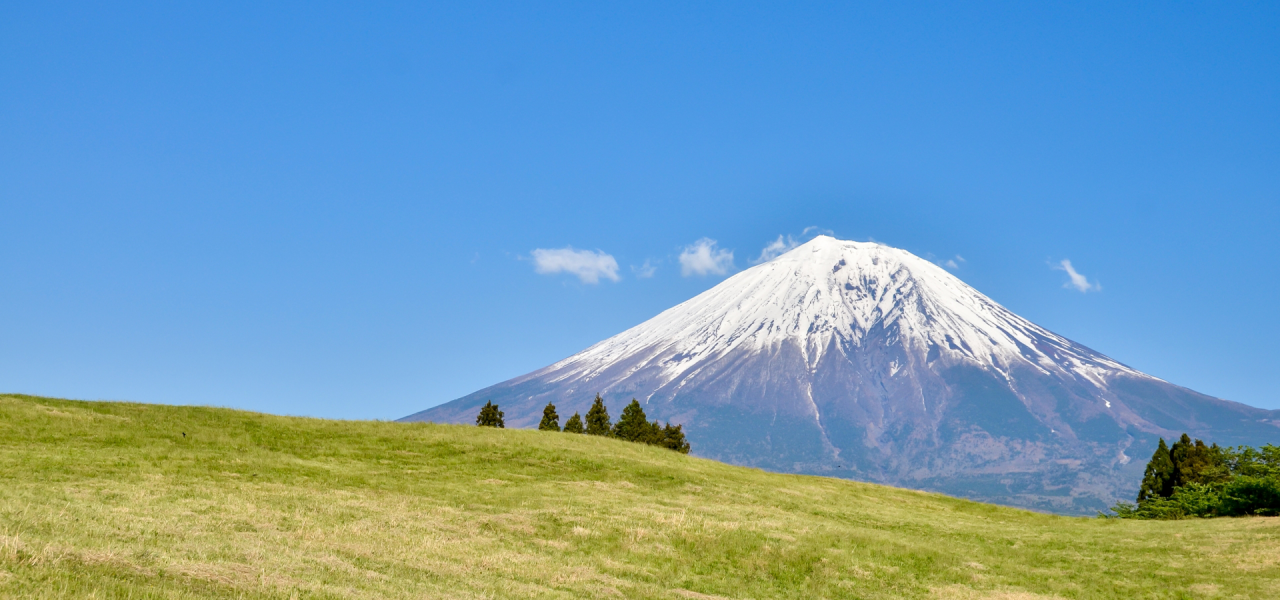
<point>955,592</point>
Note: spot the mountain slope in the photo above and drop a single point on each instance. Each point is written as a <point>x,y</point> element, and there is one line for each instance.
<point>115,500</point>
<point>864,361</point>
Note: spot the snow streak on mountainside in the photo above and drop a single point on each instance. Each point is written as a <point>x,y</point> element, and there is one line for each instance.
<point>860,360</point>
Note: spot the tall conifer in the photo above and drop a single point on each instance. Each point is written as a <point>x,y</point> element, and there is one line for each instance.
<point>598,418</point>
<point>1192,462</point>
<point>550,420</point>
<point>1158,480</point>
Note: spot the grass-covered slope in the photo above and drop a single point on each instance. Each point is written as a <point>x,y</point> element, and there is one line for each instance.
<point>112,500</point>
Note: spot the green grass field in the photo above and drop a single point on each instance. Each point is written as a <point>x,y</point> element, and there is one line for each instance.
<point>110,500</point>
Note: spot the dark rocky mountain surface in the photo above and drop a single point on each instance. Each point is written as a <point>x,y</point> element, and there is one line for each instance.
<point>858,360</point>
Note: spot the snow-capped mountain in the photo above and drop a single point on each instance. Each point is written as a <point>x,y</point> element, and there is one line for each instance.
<point>859,360</point>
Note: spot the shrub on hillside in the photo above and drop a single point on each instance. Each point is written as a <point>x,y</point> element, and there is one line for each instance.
<point>1246,495</point>
<point>1191,500</point>
<point>574,424</point>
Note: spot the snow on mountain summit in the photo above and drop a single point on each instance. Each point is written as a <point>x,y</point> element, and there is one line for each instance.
<point>830,290</point>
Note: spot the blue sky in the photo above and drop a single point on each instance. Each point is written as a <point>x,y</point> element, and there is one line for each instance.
<point>334,210</point>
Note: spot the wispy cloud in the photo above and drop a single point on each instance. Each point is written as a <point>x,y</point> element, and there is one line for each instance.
<point>587,265</point>
<point>703,258</point>
<point>775,249</point>
<point>952,263</point>
<point>644,271</point>
<point>785,243</point>
<point>1076,279</point>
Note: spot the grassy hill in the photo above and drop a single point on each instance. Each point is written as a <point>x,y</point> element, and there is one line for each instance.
<point>112,500</point>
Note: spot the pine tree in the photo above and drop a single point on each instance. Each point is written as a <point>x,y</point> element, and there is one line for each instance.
<point>1179,455</point>
<point>1158,480</point>
<point>490,416</point>
<point>633,425</point>
<point>550,420</point>
<point>574,424</point>
<point>598,418</point>
<point>1192,463</point>
<point>673,438</point>
<point>654,434</point>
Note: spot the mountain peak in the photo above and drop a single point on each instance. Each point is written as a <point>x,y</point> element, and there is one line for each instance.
<point>826,243</point>
<point>830,294</point>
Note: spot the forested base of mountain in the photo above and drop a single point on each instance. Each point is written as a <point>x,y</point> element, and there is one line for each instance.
<point>116,500</point>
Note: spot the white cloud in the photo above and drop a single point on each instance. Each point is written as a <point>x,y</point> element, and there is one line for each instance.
<point>949,263</point>
<point>644,271</point>
<point>1078,281</point>
<point>776,248</point>
<point>703,257</point>
<point>785,243</point>
<point>587,265</point>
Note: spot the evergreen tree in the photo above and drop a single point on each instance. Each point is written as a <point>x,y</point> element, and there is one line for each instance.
<point>673,438</point>
<point>550,420</point>
<point>1193,463</point>
<point>1179,454</point>
<point>574,424</point>
<point>1158,480</point>
<point>598,418</point>
<point>633,426</point>
<point>490,416</point>
<point>654,435</point>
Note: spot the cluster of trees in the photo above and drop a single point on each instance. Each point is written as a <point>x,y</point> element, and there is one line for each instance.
<point>1194,480</point>
<point>633,426</point>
